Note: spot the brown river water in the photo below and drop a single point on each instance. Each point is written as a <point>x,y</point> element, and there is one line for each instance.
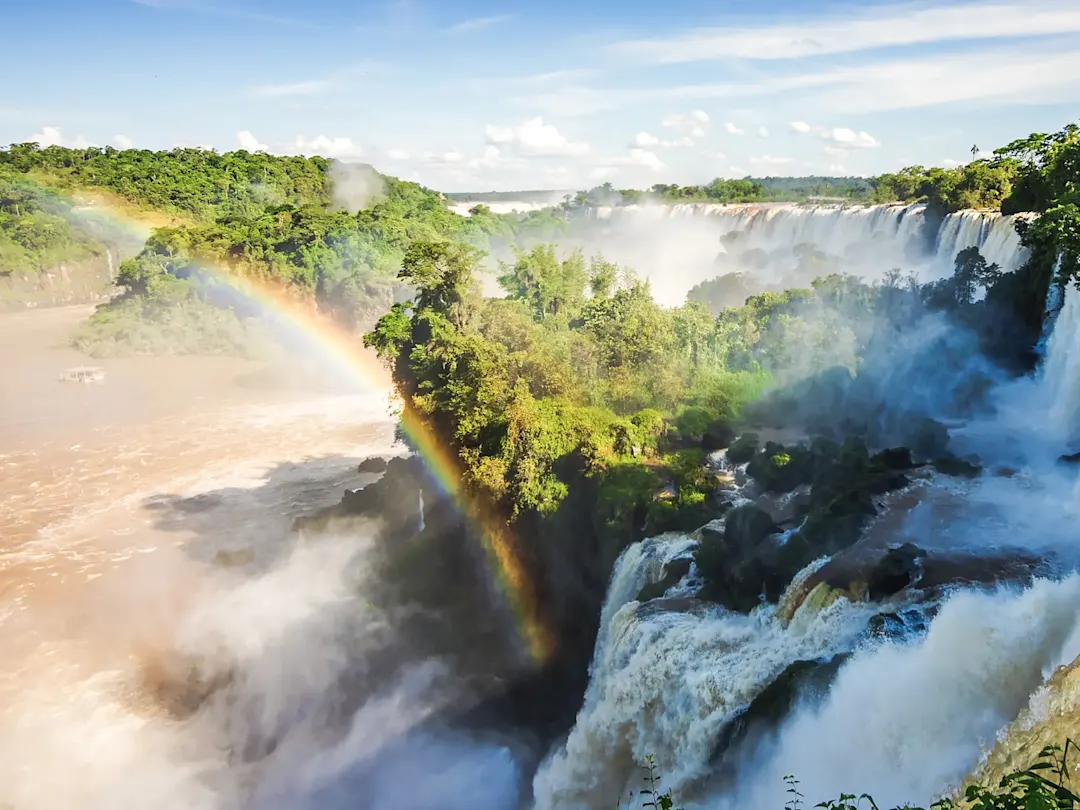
<point>121,504</point>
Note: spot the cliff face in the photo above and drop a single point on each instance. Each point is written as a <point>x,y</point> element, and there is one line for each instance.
<point>1051,718</point>
<point>78,282</point>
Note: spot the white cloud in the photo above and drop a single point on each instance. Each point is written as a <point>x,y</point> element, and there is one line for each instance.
<point>850,139</point>
<point>250,143</point>
<point>769,160</point>
<point>949,163</point>
<point>122,142</point>
<point>888,26</point>
<point>325,147</point>
<point>645,140</point>
<point>731,129</point>
<point>52,136</point>
<point>763,132</point>
<point>309,88</point>
<point>840,140</point>
<point>479,23</point>
<point>836,169</point>
<point>397,154</point>
<point>534,138</point>
<point>720,156</point>
<point>735,171</point>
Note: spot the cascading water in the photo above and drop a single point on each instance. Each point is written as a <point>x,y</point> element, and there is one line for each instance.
<point>837,230</point>
<point>904,719</point>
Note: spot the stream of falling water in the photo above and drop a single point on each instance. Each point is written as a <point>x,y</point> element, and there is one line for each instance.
<point>905,719</point>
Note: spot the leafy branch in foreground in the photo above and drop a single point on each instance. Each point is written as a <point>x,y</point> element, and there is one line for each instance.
<point>1041,786</point>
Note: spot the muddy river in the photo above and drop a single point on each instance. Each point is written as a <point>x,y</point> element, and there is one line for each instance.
<point>120,504</point>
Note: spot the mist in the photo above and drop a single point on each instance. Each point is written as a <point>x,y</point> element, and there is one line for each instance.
<point>356,186</point>
<point>241,698</point>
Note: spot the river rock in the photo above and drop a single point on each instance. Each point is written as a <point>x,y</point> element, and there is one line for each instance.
<point>373,465</point>
<point>894,572</point>
<point>672,574</point>
<point>801,679</point>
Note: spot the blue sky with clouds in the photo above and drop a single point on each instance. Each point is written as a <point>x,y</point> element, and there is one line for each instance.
<point>480,94</point>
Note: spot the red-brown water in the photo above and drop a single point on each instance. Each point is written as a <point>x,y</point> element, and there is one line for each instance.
<point>118,505</point>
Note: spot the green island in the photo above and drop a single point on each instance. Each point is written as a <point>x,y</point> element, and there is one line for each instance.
<point>582,412</point>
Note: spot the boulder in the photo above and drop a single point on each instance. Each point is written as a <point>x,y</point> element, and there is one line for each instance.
<point>799,680</point>
<point>743,448</point>
<point>898,569</point>
<point>372,466</point>
<point>957,467</point>
<point>672,574</point>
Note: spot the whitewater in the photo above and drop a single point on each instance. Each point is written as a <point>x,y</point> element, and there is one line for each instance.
<point>678,246</point>
<point>905,719</point>
<point>171,641</point>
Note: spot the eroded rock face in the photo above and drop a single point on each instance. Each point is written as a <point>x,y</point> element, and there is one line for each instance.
<point>879,574</point>
<point>800,680</point>
<point>1053,718</point>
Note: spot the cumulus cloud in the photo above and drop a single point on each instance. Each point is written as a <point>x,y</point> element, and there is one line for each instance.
<point>122,142</point>
<point>52,136</point>
<point>731,129</point>
<point>836,169</point>
<point>720,156</point>
<point>949,163</point>
<point>249,142</point>
<point>397,154</point>
<point>534,138</point>
<point>850,139</point>
<point>840,140</point>
<point>763,132</point>
<point>323,146</point>
<point>646,140</point>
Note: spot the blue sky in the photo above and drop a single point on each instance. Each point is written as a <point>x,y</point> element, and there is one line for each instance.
<point>480,94</point>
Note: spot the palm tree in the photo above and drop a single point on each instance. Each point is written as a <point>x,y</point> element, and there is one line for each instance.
<point>974,152</point>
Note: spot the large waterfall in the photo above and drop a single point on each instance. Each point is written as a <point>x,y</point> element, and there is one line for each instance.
<point>905,717</point>
<point>678,246</point>
<point>836,229</point>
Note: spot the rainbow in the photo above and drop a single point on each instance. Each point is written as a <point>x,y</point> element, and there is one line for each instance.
<point>301,322</point>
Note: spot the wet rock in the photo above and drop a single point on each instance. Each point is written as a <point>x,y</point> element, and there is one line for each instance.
<point>876,573</point>
<point>681,604</point>
<point>799,680</point>
<point>672,574</point>
<point>958,467</point>
<point>898,569</point>
<point>927,438</point>
<point>896,458</point>
<point>373,465</point>
<point>743,448</point>
<point>896,626</point>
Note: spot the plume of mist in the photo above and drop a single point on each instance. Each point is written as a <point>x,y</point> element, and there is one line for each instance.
<point>356,186</point>
<point>279,690</point>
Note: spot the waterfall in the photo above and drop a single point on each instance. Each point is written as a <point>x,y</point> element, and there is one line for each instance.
<point>838,229</point>
<point>1061,372</point>
<point>992,233</point>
